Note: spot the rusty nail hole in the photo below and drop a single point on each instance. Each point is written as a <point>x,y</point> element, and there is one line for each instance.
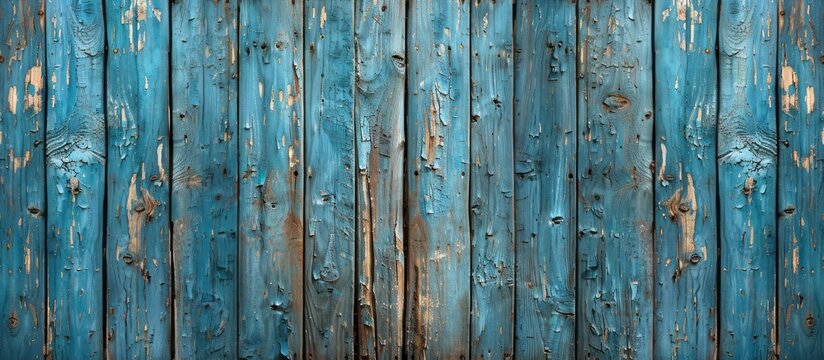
<point>128,259</point>
<point>115,50</point>
<point>746,190</point>
<point>34,211</point>
<point>695,258</point>
<point>557,220</point>
<point>789,210</point>
<point>463,173</point>
<point>383,8</point>
<point>76,190</point>
<point>821,59</point>
<point>182,115</point>
<point>153,178</point>
<point>781,13</point>
<point>295,173</point>
<point>476,118</point>
<point>648,115</point>
<point>810,320</point>
<point>683,208</point>
<point>2,58</point>
<point>570,175</point>
<point>40,12</point>
<point>707,50</point>
<point>596,197</point>
<point>669,177</point>
<point>139,208</point>
<point>416,172</point>
<point>264,46</point>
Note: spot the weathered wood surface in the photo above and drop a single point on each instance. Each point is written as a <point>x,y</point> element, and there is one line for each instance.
<point>747,146</point>
<point>544,148</point>
<point>330,234</point>
<point>139,309</point>
<point>437,316</point>
<point>271,182</point>
<point>615,160</point>
<point>22,177</point>
<point>411,178</point>
<point>686,228</point>
<point>801,175</point>
<point>380,137</point>
<point>491,180</point>
<point>204,183</point>
<point>75,177</point>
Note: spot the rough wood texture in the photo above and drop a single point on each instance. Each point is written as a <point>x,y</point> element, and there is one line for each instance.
<point>800,200</point>
<point>544,149</point>
<point>138,253</point>
<point>271,184</point>
<point>437,316</point>
<point>491,180</point>
<point>379,135</point>
<point>204,187</point>
<point>22,178</point>
<point>746,178</point>
<point>686,228</point>
<point>75,153</point>
<point>330,179</point>
<point>615,203</point>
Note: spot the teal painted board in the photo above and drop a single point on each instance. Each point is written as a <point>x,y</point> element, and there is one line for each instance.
<point>329,273</point>
<point>138,252</point>
<point>271,182</point>
<point>75,178</point>
<point>438,275</point>
<point>491,180</point>
<point>686,227</point>
<point>545,203</point>
<point>800,169</point>
<point>204,181</point>
<point>380,76</point>
<point>22,177</point>
<point>747,42</point>
<point>615,187</point>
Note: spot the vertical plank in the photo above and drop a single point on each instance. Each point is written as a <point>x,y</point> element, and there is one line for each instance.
<point>438,273</point>
<point>747,178</point>
<point>379,129</point>
<point>330,183</point>
<point>491,180</point>
<point>76,156</point>
<point>138,254</point>
<point>686,228</point>
<point>204,186</point>
<point>22,177</point>
<point>615,206</point>
<point>801,141</point>
<point>271,185</point>
<point>545,166</point>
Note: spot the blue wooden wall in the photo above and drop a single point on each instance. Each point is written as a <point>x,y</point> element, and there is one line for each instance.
<point>393,179</point>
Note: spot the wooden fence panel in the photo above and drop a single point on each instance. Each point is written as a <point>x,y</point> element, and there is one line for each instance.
<point>491,182</point>
<point>205,170</point>
<point>271,184</point>
<point>380,134</point>
<point>138,252</point>
<point>686,228</point>
<point>75,183</point>
<point>330,179</point>
<point>544,150</point>
<point>615,160</point>
<point>437,318</point>
<point>801,175</point>
<point>746,178</point>
<point>23,178</point>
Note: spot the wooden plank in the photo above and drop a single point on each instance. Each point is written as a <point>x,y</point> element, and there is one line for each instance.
<point>800,200</point>
<point>686,228</point>
<point>491,180</point>
<point>204,187</point>
<point>137,247</point>
<point>330,183</point>
<point>379,103</point>
<point>615,206</point>
<point>22,177</point>
<point>75,154</point>
<point>438,272</point>
<point>271,185</point>
<point>545,202</point>
<point>746,178</point>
